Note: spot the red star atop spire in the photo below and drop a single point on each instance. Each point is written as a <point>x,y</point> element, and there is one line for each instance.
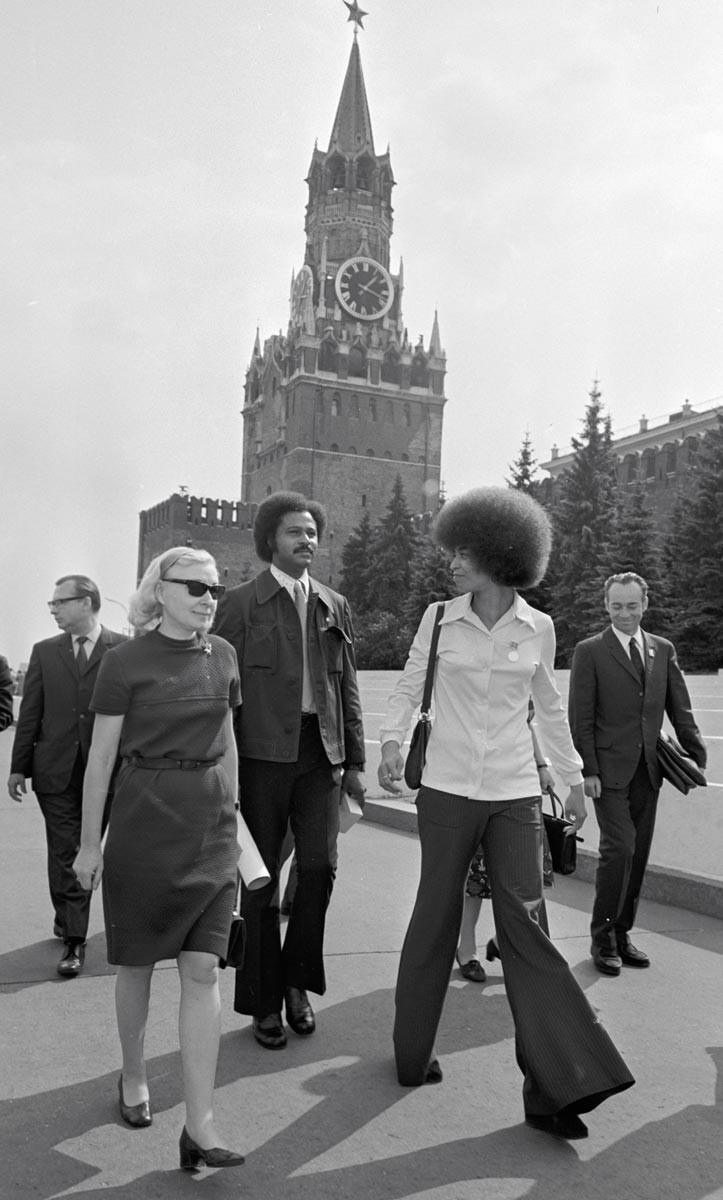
<point>356,14</point>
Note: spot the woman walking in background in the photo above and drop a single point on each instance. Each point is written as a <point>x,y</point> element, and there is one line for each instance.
<point>480,784</point>
<point>169,867</point>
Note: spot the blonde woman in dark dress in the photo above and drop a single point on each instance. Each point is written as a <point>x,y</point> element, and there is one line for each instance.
<point>168,868</point>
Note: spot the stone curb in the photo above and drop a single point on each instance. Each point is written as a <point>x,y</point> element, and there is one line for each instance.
<point>663,885</point>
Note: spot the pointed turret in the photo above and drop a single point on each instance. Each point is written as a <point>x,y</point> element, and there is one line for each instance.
<point>352,131</point>
<point>435,344</point>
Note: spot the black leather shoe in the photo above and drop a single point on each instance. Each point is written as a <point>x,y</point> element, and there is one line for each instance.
<point>472,969</point>
<point>299,1013</point>
<point>138,1116</point>
<point>71,964</point>
<point>433,1074</point>
<point>564,1125</point>
<point>192,1155</point>
<point>606,961</point>
<point>630,956</point>
<point>269,1031</point>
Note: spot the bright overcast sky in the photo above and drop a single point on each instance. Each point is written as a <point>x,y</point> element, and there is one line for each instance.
<point>559,169</point>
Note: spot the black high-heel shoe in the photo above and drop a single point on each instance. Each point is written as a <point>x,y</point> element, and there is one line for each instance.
<point>492,951</point>
<point>138,1116</point>
<point>192,1155</point>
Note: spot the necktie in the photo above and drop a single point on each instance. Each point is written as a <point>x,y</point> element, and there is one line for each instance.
<point>637,661</point>
<point>307,692</point>
<point>81,658</point>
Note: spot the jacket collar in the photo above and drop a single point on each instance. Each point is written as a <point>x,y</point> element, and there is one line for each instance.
<point>621,655</point>
<point>459,608</point>
<point>268,586</point>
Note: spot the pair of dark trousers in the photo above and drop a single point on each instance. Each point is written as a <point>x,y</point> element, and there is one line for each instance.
<point>304,795</point>
<point>626,819</point>
<point>565,1055</point>
<point>62,813</point>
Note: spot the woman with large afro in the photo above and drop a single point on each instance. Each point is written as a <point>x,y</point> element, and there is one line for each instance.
<point>480,784</point>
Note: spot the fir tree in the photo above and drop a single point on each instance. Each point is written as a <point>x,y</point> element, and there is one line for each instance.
<point>583,523</point>
<point>356,565</point>
<point>694,553</point>
<point>635,548</point>
<point>524,467</point>
<point>430,582</point>
<point>392,551</point>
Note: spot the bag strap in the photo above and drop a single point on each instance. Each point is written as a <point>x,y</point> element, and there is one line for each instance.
<point>555,801</point>
<point>431,664</point>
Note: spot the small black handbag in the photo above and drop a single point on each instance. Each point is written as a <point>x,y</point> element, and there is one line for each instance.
<point>417,754</point>
<point>236,941</point>
<point>677,766</point>
<point>563,846</point>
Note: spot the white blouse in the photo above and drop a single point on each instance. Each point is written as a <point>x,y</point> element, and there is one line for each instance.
<point>480,745</point>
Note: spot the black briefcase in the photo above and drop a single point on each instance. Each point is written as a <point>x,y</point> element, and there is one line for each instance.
<point>677,766</point>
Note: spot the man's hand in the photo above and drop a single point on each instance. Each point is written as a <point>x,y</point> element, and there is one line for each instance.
<point>575,809</point>
<point>593,786</point>
<point>391,768</point>
<point>88,867</point>
<point>16,787</point>
<point>354,784</point>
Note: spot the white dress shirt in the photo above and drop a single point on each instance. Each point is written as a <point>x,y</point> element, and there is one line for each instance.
<point>288,581</point>
<point>90,639</point>
<point>480,745</point>
<point>625,640</point>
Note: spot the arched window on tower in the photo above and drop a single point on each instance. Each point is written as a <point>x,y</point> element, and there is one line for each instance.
<point>364,175</point>
<point>372,409</point>
<point>390,367</point>
<point>357,362</point>
<point>337,173</point>
<point>336,405</point>
<point>648,466</point>
<point>354,406</point>
<point>420,373</point>
<point>407,414</point>
<point>370,453</point>
<point>328,354</point>
<point>671,458</point>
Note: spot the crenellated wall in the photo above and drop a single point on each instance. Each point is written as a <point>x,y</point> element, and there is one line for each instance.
<point>223,527</point>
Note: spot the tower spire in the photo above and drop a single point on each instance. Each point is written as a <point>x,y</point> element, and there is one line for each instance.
<point>352,131</point>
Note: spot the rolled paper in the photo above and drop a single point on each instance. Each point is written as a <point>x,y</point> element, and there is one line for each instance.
<point>250,863</point>
<point>349,812</point>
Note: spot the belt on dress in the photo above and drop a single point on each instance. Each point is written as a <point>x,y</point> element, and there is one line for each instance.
<point>171,764</point>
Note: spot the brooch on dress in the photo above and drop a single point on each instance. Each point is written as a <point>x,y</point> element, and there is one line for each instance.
<point>514,653</point>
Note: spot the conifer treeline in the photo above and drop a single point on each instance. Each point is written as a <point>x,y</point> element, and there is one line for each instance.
<point>393,570</point>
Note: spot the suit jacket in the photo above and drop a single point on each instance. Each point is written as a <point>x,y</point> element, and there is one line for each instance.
<point>260,621</point>
<point>55,721</point>
<point>613,720</point>
<point>7,690</point>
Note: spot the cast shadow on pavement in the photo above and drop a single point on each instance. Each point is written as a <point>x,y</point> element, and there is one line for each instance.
<point>679,1156</point>
<point>35,964</point>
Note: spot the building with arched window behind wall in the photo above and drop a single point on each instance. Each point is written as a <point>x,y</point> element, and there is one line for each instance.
<point>658,454</point>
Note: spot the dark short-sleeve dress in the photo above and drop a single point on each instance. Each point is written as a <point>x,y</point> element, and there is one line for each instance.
<point>169,875</point>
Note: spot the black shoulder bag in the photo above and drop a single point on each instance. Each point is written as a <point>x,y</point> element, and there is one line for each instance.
<point>414,765</point>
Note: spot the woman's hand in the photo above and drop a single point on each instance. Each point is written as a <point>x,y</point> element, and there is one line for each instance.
<point>547,779</point>
<point>88,867</point>
<point>391,768</point>
<point>575,808</point>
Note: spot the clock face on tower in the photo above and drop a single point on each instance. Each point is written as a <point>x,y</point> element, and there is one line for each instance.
<point>302,290</point>
<point>364,288</point>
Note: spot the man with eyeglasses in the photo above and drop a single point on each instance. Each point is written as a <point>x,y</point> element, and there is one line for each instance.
<point>52,740</point>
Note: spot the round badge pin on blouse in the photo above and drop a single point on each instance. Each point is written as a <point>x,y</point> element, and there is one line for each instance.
<point>514,653</point>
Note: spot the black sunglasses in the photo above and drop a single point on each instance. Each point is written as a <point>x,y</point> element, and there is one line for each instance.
<point>197,588</point>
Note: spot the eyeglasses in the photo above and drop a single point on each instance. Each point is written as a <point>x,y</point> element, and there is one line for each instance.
<point>197,588</point>
<point>63,600</point>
